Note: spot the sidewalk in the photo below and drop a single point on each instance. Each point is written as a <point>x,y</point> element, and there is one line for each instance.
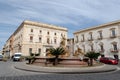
<point>97,69</point>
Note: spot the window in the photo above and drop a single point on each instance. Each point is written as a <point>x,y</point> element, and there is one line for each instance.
<point>40,31</point>
<point>90,36</point>
<point>31,38</point>
<point>91,46</point>
<point>48,40</point>
<point>101,47</point>
<point>40,39</point>
<point>39,50</point>
<point>61,34</point>
<point>48,33</point>
<point>115,47</point>
<point>76,39</point>
<point>55,34</point>
<point>31,30</point>
<point>113,33</point>
<point>55,41</point>
<point>100,35</point>
<point>83,38</point>
<point>30,50</point>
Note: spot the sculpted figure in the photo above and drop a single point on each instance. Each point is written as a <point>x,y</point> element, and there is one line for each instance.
<point>78,52</point>
<point>62,43</point>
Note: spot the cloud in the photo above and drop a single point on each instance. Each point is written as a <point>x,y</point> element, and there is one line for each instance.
<point>73,14</point>
<point>57,11</point>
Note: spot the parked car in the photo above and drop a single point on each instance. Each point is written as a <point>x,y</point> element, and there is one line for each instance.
<point>108,60</point>
<point>17,56</point>
<point>1,57</point>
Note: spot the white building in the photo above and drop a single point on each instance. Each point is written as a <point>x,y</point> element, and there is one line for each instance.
<point>34,37</point>
<point>103,38</point>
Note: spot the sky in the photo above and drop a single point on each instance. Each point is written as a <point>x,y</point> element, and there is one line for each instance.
<point>72,14</point>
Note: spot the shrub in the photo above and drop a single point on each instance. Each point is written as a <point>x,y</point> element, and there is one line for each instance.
<point>92,55</point>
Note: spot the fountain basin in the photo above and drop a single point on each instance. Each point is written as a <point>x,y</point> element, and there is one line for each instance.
<point>62,61</point>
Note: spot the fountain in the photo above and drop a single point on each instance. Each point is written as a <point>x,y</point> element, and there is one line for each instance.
<point>64,59</point>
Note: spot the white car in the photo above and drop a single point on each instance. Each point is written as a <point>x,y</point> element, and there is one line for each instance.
<point>17,56</point>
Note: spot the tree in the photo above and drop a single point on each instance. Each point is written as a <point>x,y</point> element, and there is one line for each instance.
<point>31,58</point>
<point>56,52</point>
<point>92,56</point>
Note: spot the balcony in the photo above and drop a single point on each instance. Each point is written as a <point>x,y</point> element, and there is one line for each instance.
<point>82,40</point>
<point>76,41</point>
<point>90,39</point>
<point>101,51</point>
<point>100,38</point>
<point>112,36</point>
<point>113,51</point>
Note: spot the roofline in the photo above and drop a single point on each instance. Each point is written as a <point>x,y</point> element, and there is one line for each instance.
<point>99,26</point>
<point>44,25</point>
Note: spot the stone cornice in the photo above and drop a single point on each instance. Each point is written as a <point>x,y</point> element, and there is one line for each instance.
<point>44,25</point>
<point>99,26</point>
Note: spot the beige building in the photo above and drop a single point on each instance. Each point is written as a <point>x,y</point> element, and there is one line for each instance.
<point>103,38</point>
<point>34,37</point>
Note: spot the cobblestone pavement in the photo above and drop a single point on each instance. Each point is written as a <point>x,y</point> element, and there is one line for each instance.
<point>7,72</point>
<point>7,69</point>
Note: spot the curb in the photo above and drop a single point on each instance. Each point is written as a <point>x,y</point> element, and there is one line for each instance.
<point>66,70</point>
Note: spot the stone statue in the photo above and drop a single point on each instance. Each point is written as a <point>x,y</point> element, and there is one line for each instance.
<point>78,52</point>
<point>62,43</point>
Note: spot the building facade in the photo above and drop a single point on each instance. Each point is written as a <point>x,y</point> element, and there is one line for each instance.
<point>103,38</point>
<point>34,37</point>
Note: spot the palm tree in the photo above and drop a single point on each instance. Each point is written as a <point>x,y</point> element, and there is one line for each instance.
<point>56,52</point>
<point>92,55</point>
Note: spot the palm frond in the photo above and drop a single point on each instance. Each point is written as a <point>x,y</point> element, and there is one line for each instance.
<point>57,51</point>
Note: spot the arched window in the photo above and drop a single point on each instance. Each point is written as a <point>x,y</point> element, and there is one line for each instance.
<point>101,47</point>
<point>114,48</point>
<point>114,45</point>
